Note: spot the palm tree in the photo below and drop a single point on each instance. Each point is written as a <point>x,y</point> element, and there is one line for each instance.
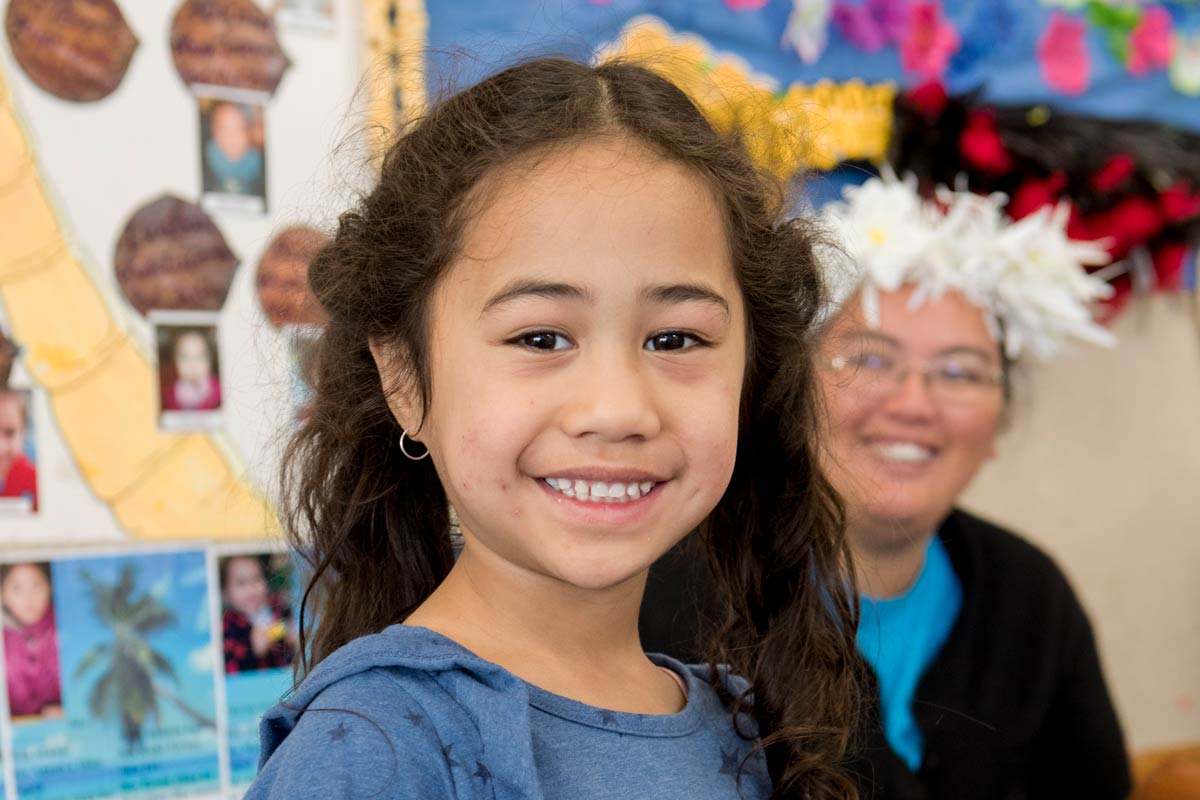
<point>127,687</point>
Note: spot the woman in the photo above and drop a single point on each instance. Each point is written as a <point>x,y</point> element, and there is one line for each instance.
<point>983,668</point>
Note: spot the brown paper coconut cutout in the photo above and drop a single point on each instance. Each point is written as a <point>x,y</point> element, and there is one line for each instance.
<point>227,43</point>
<point>171,256</point>
<point>283,278</point>
<point>78,50</point>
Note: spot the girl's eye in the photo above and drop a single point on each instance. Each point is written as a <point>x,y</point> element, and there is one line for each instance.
<point>543,340</point>
<point>671,340</point>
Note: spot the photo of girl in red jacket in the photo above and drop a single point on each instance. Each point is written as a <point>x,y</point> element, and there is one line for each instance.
<point>256,615</point>
<point>18,474</point>
<point>30,641</point>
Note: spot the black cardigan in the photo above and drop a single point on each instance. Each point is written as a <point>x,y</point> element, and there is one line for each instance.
<point>1014,706</point>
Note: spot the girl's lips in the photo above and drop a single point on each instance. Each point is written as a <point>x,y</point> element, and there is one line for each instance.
<point>608,514</point>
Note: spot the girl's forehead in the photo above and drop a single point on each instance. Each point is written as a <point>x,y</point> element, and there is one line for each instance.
<point>12,409</point>
<point>23,573</point>
<point>192,340</point>
<point>605,211</point>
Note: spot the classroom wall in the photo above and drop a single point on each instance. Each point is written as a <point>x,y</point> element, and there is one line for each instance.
<point>1101,465</point>
<point>1102,468</point>
<point>101,161</point>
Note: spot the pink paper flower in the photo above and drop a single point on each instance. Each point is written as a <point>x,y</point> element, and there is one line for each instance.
<point>745,5</point>
<point>858,26</point>
<point>930,41</point>
<point>871,25</point>
<point>1150,42</point>
<point>1063,56</point>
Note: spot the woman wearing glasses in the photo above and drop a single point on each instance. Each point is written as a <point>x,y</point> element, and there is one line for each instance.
<point>984,680</point>
<point>983,665</point>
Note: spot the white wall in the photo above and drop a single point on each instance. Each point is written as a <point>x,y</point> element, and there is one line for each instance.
<point>1102,468</point>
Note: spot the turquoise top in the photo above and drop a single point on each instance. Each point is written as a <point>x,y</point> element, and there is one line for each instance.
<point>900,637</point>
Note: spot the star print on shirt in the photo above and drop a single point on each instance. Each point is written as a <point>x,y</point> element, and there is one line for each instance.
<point>729,763</point>
<point>339,733</point>
<point>415,718</point>
<point>450,762</point>
<point>607,717</point>
<point>482,772</point>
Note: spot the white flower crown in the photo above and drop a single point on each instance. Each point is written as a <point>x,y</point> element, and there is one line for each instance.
<point>1027,276</point>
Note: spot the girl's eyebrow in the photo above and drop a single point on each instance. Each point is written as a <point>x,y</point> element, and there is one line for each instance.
<point>532,288</point>
<point>671,294</point>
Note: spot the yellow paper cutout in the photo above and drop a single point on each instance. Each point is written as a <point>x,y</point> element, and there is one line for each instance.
<point>816,126</point>
<point>395,34</point>
<point>58,346</point>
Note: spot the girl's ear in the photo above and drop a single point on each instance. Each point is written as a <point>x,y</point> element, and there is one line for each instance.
<point>399,388</point>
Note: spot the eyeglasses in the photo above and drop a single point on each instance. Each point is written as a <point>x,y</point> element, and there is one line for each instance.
<point>954,379</point>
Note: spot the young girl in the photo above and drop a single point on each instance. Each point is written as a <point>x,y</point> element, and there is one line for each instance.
<point>573,313</point>
<point>18,475</point>
<point>196,386</point>
<point>256,624</point>
<point>30,641</point>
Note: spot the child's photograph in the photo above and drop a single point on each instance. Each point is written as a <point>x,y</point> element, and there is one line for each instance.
<point>256,613</point>
<point>189,375</point>
<point>30,642</point>
<point>232,154</point>
<point>18,455</point>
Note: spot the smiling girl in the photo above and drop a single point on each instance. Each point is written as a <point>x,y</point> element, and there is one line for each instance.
<point>574,314</point>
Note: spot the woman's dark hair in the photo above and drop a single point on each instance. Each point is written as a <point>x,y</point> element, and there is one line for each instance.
<point>374,525</point>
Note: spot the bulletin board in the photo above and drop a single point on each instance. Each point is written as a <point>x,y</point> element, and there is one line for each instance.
<point>168,168</point>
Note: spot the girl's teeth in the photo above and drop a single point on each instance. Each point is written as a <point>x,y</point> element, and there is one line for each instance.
<point>599,491</point>
<point>904,451</point>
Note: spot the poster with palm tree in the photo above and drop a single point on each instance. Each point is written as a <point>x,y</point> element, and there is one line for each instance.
<point>138,676</point>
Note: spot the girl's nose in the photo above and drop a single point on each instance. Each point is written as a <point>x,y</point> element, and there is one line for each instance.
<point>612,398</point>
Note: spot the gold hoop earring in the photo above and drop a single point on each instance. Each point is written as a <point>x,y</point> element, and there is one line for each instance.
<point>408,455</point>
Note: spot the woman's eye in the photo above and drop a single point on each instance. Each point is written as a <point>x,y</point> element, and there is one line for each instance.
<point>671,340</point>
<point>543,340</point>
<point>954,372</point>
<point>873,362</point>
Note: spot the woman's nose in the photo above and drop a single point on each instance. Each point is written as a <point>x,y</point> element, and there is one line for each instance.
<point>911,398</point>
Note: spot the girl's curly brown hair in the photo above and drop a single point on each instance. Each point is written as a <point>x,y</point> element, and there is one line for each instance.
<point>374,525</point>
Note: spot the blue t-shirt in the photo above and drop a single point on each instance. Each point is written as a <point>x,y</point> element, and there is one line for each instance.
<point>900,637</point>
<point>408,714</point>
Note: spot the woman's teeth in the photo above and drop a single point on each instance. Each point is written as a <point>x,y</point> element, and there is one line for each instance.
<point>599,491</point>
<point>907,452</point>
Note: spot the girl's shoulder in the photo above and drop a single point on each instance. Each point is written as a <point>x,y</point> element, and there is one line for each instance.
<point>394,714</point>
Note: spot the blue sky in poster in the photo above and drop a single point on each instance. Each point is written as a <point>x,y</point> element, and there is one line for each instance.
<point>997,53</point>
<point>180,581</point>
